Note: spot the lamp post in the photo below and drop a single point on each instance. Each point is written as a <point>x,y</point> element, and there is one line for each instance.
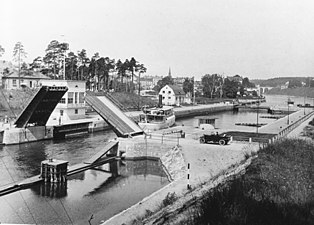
<point>304,102</point>
<point>193,90</point>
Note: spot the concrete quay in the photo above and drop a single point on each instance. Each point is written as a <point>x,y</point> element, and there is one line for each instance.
<point>209,165</point>
<point>280,126</point>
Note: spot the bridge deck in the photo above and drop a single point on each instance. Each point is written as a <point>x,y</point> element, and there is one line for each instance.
<point>122,125</point>
<point>41,106</point>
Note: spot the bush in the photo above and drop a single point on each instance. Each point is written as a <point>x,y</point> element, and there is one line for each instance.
<point>170,199</point>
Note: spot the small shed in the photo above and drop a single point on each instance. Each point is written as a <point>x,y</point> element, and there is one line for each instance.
<point>204,122</point>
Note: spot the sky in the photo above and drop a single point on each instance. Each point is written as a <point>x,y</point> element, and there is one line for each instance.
<point>258,39</point>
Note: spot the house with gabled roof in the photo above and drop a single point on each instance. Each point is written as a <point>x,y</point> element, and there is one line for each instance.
<point>173,95</point>
<point>31,79</point>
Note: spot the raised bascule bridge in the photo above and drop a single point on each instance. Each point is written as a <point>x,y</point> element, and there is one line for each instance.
<point>31,123</point>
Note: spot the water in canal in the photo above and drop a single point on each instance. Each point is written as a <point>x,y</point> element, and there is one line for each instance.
<point>93,194</point>
<point>98,193</point>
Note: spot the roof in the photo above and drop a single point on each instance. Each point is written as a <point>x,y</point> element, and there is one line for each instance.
<point>23,75</point>
<point>177,90</point>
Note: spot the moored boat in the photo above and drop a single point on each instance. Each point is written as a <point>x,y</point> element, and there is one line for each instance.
<point>157,118</point>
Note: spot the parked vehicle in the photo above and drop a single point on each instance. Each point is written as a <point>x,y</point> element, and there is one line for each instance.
<point>221,139</point>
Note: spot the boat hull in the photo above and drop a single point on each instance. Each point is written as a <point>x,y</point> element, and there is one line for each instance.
<point>170,121</point>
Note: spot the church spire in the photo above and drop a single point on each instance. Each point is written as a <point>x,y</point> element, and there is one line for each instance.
<point>169,73</point>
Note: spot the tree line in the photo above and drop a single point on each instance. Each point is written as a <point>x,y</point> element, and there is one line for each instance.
<point>212,86</point>
<point>99,72</point>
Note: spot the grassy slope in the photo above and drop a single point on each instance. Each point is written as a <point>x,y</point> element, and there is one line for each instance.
<point>278,188</point>
<point>18,101</point>
<point>131,101</point>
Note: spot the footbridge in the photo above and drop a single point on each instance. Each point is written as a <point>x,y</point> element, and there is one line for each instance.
<point>121,124</point>
<point>40,107</point>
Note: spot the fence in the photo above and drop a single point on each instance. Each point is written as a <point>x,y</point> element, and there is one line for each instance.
<point>169,136</point>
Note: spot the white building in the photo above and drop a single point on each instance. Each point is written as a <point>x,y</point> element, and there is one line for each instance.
<point>149,82</point>
<point>32,79</point>
<point>173,95</point>
<point>72,105</point>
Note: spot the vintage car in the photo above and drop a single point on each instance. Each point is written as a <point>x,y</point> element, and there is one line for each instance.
<point>221,139</point>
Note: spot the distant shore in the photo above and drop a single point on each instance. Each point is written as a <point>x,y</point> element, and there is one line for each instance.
<point>298,91</point>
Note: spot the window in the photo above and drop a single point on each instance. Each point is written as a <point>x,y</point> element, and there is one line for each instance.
<point>163,92</point>
<point>163,97</point>
<point>169,97</point>
<point>70,98</point>
<point>61,112</point>
<point>62,101</point>
<point>81,97</point>
<point>31,84</point>
<point>76,111</point>
<point>14,83</point>
<point>169,92</point>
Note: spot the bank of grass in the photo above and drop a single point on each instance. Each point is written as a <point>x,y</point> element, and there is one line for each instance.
<point>12,102</point>
<point>132,101</point>
<point>308,131</point>
<point>278,188</point>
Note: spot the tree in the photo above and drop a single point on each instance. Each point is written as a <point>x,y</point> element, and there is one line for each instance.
<point>36,64</point>
<point>188,85</point>
<point>107,65</point>
<point>247,84</point>
<point>2,50</point>
<point>93,77</point>
<point>18,55</point>
<point>294,83</point>
<point>212,85</point>
<point>83,62</point>
<point>71,66</point>
<point>163,82</point>
<point>54,56</point>
<point>126,68</point>
<point>120,71</point>
<point>140,69</point>
<point>230,88</point>
<point>132,67</point>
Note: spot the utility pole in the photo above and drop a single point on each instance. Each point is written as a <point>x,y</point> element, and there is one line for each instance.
<point>257,117</point>
<point>288,112</point>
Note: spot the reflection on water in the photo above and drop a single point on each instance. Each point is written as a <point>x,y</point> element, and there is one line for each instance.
<point>22,161</point>
<point>101,192</point>
<point>52,190</point>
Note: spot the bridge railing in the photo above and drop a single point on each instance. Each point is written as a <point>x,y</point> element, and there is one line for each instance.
<point>293,125</point>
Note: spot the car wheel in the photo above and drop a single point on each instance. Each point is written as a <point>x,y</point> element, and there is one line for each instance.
<point>202,140</point>
<point>222,142</point>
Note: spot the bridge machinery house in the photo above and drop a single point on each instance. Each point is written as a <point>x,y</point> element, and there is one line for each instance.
<point>72,105</point>
<point>173,95</point>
